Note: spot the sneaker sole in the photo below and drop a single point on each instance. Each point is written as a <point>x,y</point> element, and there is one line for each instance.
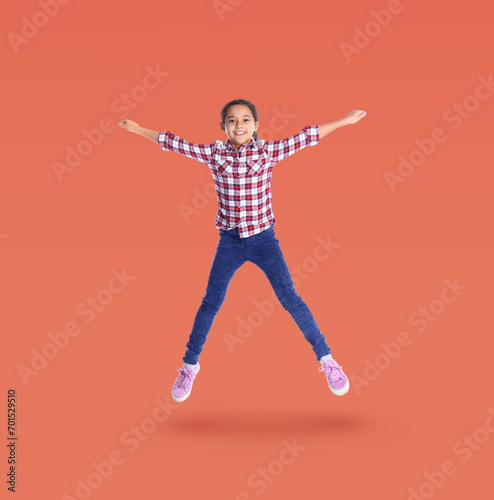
<point>341,392</point>
<point>183,398</point>
<point>180,400</point>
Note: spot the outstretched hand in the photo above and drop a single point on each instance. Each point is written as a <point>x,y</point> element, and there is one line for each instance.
<point>354,116</point>
<point>129,125</point>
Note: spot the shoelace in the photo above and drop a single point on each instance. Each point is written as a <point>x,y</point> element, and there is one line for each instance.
<point>335,372</point>
<point>185,378</point>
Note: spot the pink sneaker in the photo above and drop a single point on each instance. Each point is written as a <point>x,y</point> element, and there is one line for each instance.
<point>183,384</point>
<point>337,380</point>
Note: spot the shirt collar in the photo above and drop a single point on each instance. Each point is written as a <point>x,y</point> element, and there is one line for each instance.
<point>227,145</point>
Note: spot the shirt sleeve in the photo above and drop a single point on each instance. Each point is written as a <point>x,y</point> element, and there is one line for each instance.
<point>168,141</point>
<point>278,150</point>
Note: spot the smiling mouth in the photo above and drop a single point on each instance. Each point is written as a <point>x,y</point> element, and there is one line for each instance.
<point>239,133</point>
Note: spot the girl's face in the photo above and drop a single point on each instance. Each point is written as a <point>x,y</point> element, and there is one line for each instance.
<point>239,125</point>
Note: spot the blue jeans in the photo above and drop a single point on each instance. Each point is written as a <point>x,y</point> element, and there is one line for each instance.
<point>262,249</point>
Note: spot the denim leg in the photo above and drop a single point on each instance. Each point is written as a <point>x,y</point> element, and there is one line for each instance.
<point>264,251</point>
<point>230,255</point>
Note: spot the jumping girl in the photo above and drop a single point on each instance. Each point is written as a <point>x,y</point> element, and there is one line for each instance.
<point>241,168</point>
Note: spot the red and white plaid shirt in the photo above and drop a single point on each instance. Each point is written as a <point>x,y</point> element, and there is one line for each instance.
<point>242,177</point>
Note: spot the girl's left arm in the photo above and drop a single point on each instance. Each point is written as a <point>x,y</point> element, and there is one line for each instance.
<point>352,117</point>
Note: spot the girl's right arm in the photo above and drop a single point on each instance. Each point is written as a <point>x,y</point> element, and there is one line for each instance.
<point>133,127</point>
<point>172,142</point>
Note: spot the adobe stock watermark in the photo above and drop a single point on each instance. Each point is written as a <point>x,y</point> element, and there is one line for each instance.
<point>131,439</point>
<point>31,27</point>
<point>88,310</point>
<point>464,448</point>
<point>202,199</point>
<point>260,480</point>
<point>121,106</point>
<point>420,319</point>
<point>372,29</point>
<point>264,309</point>
<point>454,115</point>
<point>221,7</point>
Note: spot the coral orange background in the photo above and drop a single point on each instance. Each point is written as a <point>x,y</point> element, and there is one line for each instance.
<point>120,209</point>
